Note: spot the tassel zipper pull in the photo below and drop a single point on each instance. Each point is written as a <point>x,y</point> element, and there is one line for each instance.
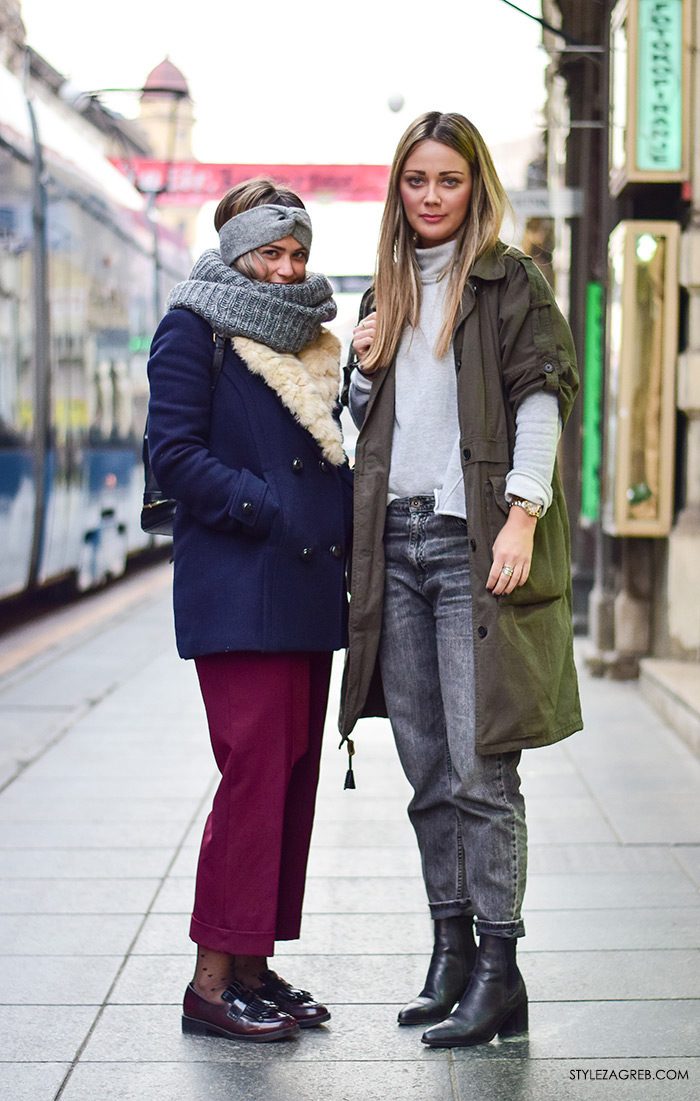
<point>349,784</point>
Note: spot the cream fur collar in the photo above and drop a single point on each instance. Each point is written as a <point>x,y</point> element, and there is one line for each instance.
<point>307,384</point>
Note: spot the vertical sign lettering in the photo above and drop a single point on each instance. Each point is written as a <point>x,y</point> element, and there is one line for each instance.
<point>659,86</point>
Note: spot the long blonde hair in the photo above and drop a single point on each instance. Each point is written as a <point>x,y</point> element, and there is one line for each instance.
<point>397,280</point>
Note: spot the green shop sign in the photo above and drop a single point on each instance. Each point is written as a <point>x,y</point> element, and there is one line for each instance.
<point>659,86</point>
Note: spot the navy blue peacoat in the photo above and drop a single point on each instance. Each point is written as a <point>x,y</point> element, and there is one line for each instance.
<point>263,520</point>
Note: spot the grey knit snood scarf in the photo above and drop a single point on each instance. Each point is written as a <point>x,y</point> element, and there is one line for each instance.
<point>284,316</point>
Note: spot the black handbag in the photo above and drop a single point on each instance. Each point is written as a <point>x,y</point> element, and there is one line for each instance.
<point>158,511</point>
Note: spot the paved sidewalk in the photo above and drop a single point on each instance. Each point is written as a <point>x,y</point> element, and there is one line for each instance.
<point>98,843</point>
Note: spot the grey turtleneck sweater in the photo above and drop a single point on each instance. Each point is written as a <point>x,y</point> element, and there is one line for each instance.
<point>425,454</point>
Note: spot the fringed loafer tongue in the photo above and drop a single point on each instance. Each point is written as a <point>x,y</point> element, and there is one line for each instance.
<point>242,1014</point>
<point>299,1004</point>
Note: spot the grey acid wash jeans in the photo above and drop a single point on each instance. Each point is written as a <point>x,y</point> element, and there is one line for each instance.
<point>467,810</point>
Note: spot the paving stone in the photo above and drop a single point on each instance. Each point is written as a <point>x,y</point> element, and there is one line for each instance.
<point>67,934</point>
<point>688,856</point>
<point>31,1081</point>
<point>31,1033</point>
<point>586,859</point>
<point>609,890</point>
<point>206,1081</point>
<point>601,1030</point>
<point>148,1034</point>
<point>16,808</point>
<point>57,980</point>
<point>610,975</point>
<point>91,835</point>
<point>49,864</point>
<point>499,1079</point>
<point>371,979</point>
<point>570,930</point>
<point>347,934</point>
<point>77,896</point>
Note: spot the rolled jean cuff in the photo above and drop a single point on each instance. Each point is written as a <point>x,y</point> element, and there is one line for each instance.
<point>455,908</point>
<point>509,929</point>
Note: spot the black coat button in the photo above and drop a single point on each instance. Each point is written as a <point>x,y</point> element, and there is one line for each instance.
<point>549,367</point>
<point>247,508</point>
<point>467,453</point>
<point>472,544</point>
<point>323,466</point>
<point>297,465</point>
<point>458,364</point>
<point>482,632</point>
<point>307,554</point>
<point>337,550</point>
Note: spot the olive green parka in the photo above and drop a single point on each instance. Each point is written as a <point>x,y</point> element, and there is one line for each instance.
<point>510,340</point>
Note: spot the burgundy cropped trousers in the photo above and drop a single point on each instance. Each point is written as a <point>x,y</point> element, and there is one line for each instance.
<point>266,715</point>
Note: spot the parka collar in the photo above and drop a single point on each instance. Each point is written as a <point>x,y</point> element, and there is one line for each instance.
<point>490,264</point>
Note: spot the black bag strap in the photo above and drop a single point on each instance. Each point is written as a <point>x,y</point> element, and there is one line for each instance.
<point>218,360</point>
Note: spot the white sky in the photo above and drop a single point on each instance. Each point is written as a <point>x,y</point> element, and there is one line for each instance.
<point>308,80</point>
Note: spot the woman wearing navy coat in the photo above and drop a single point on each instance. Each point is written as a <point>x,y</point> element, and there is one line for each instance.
<point>256,464</point>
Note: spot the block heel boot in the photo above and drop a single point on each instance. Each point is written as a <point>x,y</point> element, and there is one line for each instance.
<point>494,1002</point>
<point>451,965</point>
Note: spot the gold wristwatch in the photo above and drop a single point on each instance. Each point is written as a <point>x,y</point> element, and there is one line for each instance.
<point>530,507</point>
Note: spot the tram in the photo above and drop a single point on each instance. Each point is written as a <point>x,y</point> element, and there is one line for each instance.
<point>83,272</point>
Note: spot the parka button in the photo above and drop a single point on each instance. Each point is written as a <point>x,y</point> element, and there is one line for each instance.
<point>336,550</point>
<point>297,465</point>
<point>306,554</point>
<point>467,453</point>
<point>549,367</point>
<point>472,544</point>
<point>458,364</point>
<point>481,632</point>
<point>323,466</point>
<point>247,508</point>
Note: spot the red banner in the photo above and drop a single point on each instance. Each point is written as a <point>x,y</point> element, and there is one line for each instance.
<point>189,183</point>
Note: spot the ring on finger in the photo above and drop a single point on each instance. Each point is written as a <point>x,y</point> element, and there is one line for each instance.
<point>508,571</point>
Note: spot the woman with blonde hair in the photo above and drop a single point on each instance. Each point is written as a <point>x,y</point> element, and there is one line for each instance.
<point>460,618</point>
<point>254,458</point>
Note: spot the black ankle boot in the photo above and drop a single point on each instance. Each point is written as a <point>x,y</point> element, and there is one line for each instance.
<point>451,965</point>
<point>495,1000</point>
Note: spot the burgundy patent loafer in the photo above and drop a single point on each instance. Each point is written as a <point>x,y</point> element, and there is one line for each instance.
<point>241,1015</point>
<point>299,1004</point>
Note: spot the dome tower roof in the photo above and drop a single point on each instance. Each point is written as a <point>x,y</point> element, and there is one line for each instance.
<point>165,79</point>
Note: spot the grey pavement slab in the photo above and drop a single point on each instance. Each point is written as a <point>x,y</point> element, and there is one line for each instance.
<point>103,830</point>
<point>76,896</point>
<point>15,807</point>
<point>689,859</point>
<point>601,1030</point>
<point>583,1080</point>
<point>32,1034</point>
<point>272,1080</point>
<point>128,1033</point>
<point>586,859</point>
<point>48,864</point>
<point>610,891</point>
<point>31,1081</point>
<point>380,978</point>
<point>91,835</point>
<point>57,980</point>
<point>67,934</point>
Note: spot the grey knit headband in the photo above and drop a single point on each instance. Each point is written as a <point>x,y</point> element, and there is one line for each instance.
<point>259,226</point>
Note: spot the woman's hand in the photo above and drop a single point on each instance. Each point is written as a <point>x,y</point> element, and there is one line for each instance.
<point>512,550</point>
<point>363,335</point>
